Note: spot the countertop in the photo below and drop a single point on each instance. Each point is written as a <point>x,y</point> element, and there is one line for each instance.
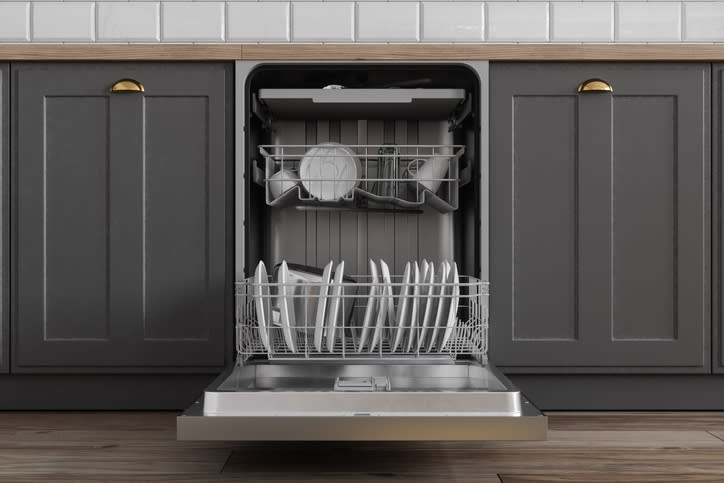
<point>497,52</point>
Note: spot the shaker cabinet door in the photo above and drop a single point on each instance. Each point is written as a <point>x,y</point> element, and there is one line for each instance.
<point>4,218</point>
<point>600,219</point>
<point>718,212</point>
<point>120,217</point>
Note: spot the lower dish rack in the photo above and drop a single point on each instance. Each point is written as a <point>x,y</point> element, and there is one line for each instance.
<point>362,320</point>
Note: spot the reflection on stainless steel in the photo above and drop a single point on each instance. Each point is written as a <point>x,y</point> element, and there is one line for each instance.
<point>462,387</point>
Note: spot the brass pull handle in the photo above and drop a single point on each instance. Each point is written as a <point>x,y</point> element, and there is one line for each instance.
<point>127,85</point>
<point>595,85</point>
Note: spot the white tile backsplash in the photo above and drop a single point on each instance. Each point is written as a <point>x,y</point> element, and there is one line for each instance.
<point>128,21</point>
<point>258,21</point>
<point>517,21</point>
<point>63,21</point>
<point>648,21</point>
<point>704,21</point>
<point>388,21</point>
<point>323,21</point>
<point>192,21</point>
<point>371,21</point>
<point>579,21</point>
<point>14,21</point>
<point>452,21</point>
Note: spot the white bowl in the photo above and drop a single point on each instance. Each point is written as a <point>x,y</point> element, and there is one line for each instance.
<point>282,181</point>
<point>330,171</point>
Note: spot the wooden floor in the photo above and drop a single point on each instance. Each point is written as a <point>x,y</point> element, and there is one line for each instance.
<point>581,447</point>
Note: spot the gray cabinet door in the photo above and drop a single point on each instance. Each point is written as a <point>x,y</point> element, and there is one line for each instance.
<point>718,212</point>
<point>4,233</point>
<point>600,219</point>
<point>120,217</point>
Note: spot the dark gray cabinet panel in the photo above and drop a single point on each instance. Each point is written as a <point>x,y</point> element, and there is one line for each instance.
<point>600,218</point>
<point>120,217</point>
<point>4,205</point>
<point>718,212</point>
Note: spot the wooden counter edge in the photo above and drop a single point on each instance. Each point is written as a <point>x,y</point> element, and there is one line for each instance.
<point>496,52</point>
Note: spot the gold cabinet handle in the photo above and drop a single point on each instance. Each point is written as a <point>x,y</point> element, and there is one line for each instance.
<point>595,85</point>
<point>127,85</point>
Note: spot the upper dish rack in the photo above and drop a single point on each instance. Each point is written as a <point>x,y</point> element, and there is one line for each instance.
<point>330,174</point>
<point>441,332</point>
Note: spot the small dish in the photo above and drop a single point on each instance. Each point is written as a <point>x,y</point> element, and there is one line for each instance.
<point>414,313</point>
<point>334,305</point>
<point>452,317</point>
<point>428,303</point>
<point>442,305</point>
<point>402,307</point>
<point>262,300</point>
<point>322,306</point>
<point>286,306</point>
<point>386,308</point>
<point>330,171</point>
<point>281,182</point>
<point>371,305</point>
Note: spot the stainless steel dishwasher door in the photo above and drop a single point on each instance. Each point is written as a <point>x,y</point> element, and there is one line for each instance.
<point>332,401</point>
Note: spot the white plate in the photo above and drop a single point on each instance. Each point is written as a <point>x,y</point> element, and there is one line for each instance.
<point>428,304</point>
<point>452,317</point>
<point>330,171</point>
<point>322,306</point>
<point>414,314</point>
<point>442,304</point>
<point>402,306</point>
<point>286,306</point>
<point>386,307</point>
<point>334,305</point>
<point>262,301</point>
<point>371,305</point>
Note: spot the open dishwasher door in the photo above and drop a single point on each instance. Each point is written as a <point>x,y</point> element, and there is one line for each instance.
<point>396,402</point>
<point>406,378</point>
<point>379,169</point>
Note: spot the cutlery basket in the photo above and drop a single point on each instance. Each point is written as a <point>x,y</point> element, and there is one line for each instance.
<point>420,321</point>
<point>402,176</point>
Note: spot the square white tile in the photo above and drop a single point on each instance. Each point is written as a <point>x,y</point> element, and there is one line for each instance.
<point>648,21</point>
<point>323,21</point>
<point>517,21</point>
<point>128,21</point>
<point>581,22</point>
<point>258,21</point>
<point>192,21</point>
<point>704,21</point>
<point>63,21</point>
<point>14,21</point>
<point>388,21</point>
<point>452,21</point>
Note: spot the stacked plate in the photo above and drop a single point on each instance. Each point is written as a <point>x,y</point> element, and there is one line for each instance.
<point>308,309</point>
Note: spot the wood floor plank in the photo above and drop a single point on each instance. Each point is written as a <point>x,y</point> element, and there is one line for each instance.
<point>589,477</point>
<point>633,420</point>
<point>111,462</point>
<point>93,439</point>
<point>90,420</point>
<point>586,447</point>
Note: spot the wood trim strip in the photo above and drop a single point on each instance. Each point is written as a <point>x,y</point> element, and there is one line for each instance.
<point>497,52</point>
<point>208,52</point>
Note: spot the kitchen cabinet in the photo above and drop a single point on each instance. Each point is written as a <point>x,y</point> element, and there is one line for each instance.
<point>120,217</point>
<point>600,218</point>
<point>4,233</point>
<point>717,213</point>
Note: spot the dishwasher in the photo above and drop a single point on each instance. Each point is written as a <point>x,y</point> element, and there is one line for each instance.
<point>361,260</point>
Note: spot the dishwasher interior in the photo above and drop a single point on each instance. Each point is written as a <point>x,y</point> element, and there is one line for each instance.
<point>361,299</point>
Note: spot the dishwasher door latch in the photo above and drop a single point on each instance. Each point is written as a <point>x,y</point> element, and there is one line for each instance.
<point>362,384</point>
